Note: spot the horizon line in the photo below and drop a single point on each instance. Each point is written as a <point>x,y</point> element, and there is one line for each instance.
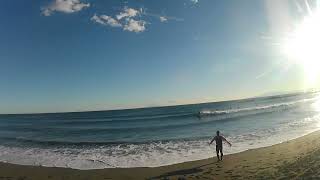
<point>164,106</point>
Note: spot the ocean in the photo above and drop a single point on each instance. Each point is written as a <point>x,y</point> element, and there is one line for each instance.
<point>150,137</point>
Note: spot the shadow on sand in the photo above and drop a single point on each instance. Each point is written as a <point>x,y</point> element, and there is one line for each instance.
<point>181,172</point>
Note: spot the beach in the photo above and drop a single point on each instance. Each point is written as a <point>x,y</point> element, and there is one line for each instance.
<point>294,159</point>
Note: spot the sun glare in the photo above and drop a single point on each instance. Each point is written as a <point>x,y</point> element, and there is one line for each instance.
<point>303,46</point>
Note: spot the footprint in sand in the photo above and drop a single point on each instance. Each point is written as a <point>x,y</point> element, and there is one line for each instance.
<point>236,176</point>
<point>22,178</point>
<point>181,178</point>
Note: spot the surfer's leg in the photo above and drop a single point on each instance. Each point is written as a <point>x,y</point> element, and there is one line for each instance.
<point>217,151</point>
<point>221,153</point>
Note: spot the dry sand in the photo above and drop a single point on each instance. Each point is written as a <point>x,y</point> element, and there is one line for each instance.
<point>295,159</point>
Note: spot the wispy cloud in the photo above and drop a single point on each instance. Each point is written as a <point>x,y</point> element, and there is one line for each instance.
<point>194,1</point>
<point>135,25</point>
<point>65,6</point>
<point>163,19</point>
<point>124,19</point>
<point>128,12</point>
<point>106,20</point>
<point>129,19</point>
<point>191,3</point>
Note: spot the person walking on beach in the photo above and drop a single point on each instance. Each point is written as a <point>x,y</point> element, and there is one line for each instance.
<point>218,138</point>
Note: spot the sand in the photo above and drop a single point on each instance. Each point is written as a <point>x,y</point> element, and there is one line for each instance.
<point>295,159</point>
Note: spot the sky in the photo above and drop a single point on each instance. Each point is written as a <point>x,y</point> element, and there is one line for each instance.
<point>79,55</point>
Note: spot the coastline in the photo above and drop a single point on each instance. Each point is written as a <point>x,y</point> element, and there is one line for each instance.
<point>291,159</point>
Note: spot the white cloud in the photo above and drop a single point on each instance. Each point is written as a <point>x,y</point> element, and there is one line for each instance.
<point>127,19</point>
<point>194,1</point>
<point>135,26</point>
<point>111,21</point>
<point>97,19</point>
<point>128,24</point>
<point>163,19</point>
<point>106,20</point>
<point>128,12</point>
<point>65,6</point>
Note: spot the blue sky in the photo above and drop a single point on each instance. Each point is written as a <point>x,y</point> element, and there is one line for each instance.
<point>76,55</point>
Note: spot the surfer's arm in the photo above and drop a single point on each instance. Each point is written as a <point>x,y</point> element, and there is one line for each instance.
<point>224,139</point>
<point>212,140</point>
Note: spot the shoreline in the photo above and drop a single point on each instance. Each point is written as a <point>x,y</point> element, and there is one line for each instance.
<point>212,151</point>
<point>156,165</point>
<point>254,163</point>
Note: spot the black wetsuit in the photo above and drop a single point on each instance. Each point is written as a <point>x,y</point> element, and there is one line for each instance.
<point>218,143</point>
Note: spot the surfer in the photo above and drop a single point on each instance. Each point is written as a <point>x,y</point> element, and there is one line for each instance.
<point>199,115</point>
<point>218,139</point>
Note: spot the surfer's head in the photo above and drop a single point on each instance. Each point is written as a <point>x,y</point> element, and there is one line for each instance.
<point>218,133</point>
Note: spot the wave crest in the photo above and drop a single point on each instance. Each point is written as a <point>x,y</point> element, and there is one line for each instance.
<point>266,108</point>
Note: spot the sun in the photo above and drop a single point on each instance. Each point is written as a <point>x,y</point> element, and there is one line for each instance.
<point>303,47</point>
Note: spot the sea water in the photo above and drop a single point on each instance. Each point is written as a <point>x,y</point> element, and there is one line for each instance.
<point>158,136</point>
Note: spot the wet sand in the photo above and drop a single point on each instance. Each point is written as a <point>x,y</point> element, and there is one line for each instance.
<point>295,159</point>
